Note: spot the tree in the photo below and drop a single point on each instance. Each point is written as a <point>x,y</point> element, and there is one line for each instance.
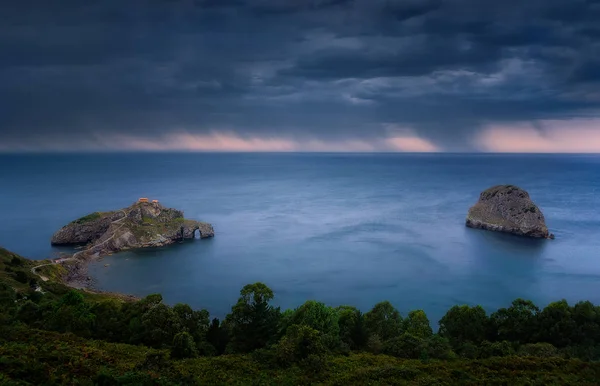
<point>7,297</point>
<point>587,318</point>
<point>405,346</point>
<point>374,344</point>
<point>418,325</point>
<point>29,312</point>
<point>253,321</point>
<point>384,320</point>
<point>21,276</point>
<point>518,323</point>
<point>352,328</point>
<point>159,326</point>
<point>321,318</point>
<point>183,346</point>
<point>464,324</point>
<point>217,336</point>
<point>110,323</point>
<point>439,348</point>
<point>72,314</point>
<point>556,325</point>
<point>194,322</point>
<point>300,342</point>
<point>148,302</point>
<point>16,261</point>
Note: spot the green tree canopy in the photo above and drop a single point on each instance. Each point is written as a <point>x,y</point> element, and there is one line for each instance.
<point>464,324</point>
<point>556,324</point>
<point>418,325</point>
<point>253,321</point>
<point>517,323</point>
<point>352,329</point>
<point>384,321</point>
<point>405,346</point>
<point>159,326</point>
<point>183,346</point>
<point>300,342</point>
<point>318,316</point>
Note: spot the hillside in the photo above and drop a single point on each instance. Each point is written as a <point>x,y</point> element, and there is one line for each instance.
<point>51,334</point>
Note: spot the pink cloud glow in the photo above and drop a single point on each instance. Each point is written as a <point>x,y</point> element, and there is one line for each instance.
<point>549,136</point>
<point>219,141</point>
<point>412,144</point>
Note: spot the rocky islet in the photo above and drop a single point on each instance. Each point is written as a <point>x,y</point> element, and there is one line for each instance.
<point>509,209</point>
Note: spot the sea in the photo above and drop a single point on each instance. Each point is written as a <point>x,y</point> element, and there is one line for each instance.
<point>344,229</point>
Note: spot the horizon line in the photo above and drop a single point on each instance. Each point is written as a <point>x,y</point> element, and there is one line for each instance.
<point>137,151</point>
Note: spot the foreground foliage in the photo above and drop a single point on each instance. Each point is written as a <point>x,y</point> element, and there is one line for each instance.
<point>34,357</point>
<point>51,334</point>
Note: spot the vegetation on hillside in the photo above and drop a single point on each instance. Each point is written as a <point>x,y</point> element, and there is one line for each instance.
<point>90,217</point>
<point>64,336</point>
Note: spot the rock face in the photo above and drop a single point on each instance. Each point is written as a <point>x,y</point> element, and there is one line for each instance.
<point>508,208</point>
<point>141,225</point>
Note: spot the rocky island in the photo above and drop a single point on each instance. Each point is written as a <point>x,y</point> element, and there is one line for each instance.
<point>508,208</point>
<point>143,224</point>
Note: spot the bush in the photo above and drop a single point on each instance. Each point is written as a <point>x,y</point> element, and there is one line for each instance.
<point>314,364</point>
<point>496,349</point>
<point>16,262</point>
<point>404,346</point>
<point>155,361</point>
<point>438,347</point>
<point>540,350</point>
<point>321,318</point>
<point>7,296</point>
<point>264,356</point>
<point>469,350</point>
<point>21,276</point>
<point>29,312</point>
<point>374,344</point>
<point>299,343</point>
<point>183,346</point>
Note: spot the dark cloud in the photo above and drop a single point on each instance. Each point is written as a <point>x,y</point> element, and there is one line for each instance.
<point>299,68</point>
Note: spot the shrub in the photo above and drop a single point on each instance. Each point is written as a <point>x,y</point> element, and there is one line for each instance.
<point>155,361</point>
<point>438,347</point>
<point>183,346</point>
<point>21,276</point>
<point>29,312</point>
<point>374,344</point>
<point>15,261</point>
<point>319,317</point>
<point>384,320</point>
<point>540,350</point>
<point>496,349</point>
<point>88,218</point>
<point>299,343</point>
<point>404,346</point>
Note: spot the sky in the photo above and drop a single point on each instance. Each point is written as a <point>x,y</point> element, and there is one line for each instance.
<point>300,75</point>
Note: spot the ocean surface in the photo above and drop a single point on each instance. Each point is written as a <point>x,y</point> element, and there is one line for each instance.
<point>340,228</point>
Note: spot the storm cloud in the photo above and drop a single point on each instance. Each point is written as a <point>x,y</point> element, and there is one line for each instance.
<point>290,75</point>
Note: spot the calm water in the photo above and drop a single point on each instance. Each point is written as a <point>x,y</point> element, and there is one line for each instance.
<point>343,229</point>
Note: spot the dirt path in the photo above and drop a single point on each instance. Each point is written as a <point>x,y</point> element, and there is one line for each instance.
<point>76,254</point>
<point>33,270</point>
<point>108,239</point>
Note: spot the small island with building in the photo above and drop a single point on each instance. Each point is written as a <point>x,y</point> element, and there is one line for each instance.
<point>143,224</point>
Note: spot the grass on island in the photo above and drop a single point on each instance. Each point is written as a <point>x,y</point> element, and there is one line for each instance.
<point>89,218</point>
